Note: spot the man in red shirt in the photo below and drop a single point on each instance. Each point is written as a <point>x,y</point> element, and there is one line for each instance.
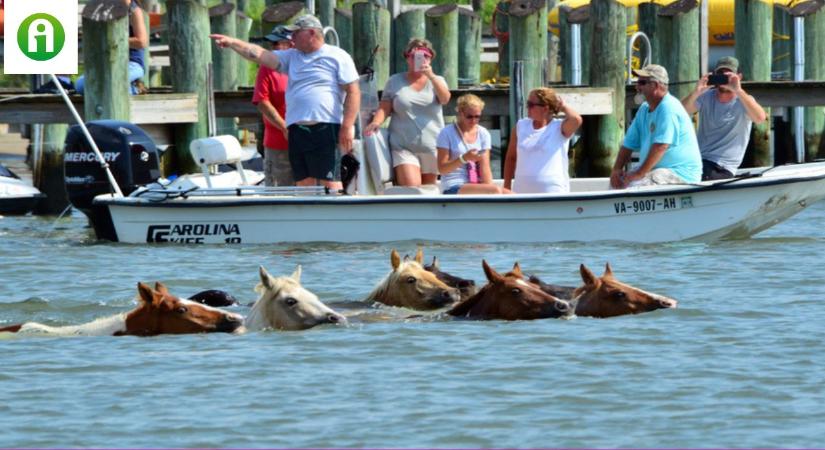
<point>269,96</point>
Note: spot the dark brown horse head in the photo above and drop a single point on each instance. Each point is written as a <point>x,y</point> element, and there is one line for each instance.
<point>408,285</point>
<point>562,292</point>
<point>510,297</point>
<point>466,287</point>
<point>606,296</point>
<point>160,312</point>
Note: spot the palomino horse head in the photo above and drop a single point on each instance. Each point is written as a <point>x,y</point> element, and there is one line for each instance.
<point>466,288</point>
<point>160,312</point>
<point>286,305</point>
<point>608,297</point>
<point>408,285</point>
<point>510,297</point>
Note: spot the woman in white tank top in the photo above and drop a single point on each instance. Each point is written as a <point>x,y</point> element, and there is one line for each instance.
<point>537,154</point>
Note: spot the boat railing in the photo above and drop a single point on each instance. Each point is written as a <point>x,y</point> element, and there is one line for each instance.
<point>161,194</point>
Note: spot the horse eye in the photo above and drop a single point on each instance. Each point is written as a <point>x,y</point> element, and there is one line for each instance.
<point>181,310</point>
<point>411,280</point>
<point>516,291</point>
<point>291,301</point>
<point>620,295</point>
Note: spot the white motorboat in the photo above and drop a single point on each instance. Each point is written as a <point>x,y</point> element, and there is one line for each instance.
<point>16,196</point>
<point>211,208</point>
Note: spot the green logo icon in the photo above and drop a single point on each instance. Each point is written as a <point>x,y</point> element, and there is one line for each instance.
<point>41,37</point>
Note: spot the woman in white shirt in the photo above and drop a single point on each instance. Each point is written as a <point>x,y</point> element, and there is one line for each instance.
<point>464,152</point>
<point>537,153</point>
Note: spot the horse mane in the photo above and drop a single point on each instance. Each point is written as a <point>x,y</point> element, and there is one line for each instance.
<point>257,316</point>
<point>463,308</point>
<point>383,287</point>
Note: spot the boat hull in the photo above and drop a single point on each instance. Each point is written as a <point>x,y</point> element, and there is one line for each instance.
<point>659,214</point>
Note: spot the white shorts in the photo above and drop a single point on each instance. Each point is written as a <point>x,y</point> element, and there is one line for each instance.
<point>427,162</point>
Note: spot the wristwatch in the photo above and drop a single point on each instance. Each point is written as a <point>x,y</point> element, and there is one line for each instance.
<point>461,158</point>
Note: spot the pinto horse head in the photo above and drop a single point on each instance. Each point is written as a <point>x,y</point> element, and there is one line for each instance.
<point>465,287</point>
<point>160,312</point>
<point>408,285</point>
<point>606,296</point>
<point>286,305</point>
<point>510,297</point>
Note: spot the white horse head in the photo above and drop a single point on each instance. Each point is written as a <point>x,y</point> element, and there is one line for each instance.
<point>285,305</point>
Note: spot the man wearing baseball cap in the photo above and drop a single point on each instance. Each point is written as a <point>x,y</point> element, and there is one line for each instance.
<point>663,135</point>
<point>726,115</point>
<point>323,99</point>
<point>269,97</point>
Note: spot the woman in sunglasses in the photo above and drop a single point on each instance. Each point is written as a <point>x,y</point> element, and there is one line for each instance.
<point>537,153</point>
<point>464,152</point>
<point>413,100</point>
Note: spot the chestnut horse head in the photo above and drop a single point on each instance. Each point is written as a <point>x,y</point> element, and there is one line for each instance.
<point>510,297</point>
<point>466,288</point>
<point>606,296</point>
<point>160,312</point>
<point>408,285</point>
<point>286,305</point>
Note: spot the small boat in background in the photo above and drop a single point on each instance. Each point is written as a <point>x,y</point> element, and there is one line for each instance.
<point>16,196</point>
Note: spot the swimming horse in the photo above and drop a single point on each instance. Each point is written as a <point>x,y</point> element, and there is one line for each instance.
<point>286,305</point>
<point>408,285</point>
<point>606,296</point>
<point>158,312</point>
<point>510,297</point>
<point>466,288</point>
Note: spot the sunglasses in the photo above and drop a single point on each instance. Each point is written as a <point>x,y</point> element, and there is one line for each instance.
<point>470,116</point>
<point>643,82</point>
<point>531,104</point>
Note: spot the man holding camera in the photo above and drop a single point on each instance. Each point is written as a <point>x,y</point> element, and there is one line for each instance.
<point>726,114</point>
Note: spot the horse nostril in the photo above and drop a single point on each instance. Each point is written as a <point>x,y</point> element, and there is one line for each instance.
<point>446,294</point>
<point>332,318</point>
<point>668,303</point>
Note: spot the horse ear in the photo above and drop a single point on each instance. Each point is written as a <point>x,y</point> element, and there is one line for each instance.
<point>435,263</point>
<point>492,275</point>
<point>395,259</point>
<point>160,287</point>
<point>266,280</point>
<point>517,270</point>
<point>608,272</point>
<point>145,292</point>
<point>419,256</point>
<point>587,276</point>
<point>297,274</point>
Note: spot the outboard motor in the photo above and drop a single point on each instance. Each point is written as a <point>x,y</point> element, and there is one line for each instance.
<point>132,157</point>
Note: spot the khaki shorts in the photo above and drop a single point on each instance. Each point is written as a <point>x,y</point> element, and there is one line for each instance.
<point>658,176</point>
<point>427,162</point>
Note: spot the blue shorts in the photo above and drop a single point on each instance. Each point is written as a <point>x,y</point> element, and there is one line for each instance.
<point>452,191</point>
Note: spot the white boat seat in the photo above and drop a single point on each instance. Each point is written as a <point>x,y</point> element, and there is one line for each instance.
<point>426,189</point>
<point>225,149</point>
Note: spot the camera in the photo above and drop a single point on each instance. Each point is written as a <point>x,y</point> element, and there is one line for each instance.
<point>418,61</point>
<point>718,79</point>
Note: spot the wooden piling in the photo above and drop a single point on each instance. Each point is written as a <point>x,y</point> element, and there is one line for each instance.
<point>343,25</point>
<point>501,27</point>
<point>243,26</point>
<point>190,53</point>
<point>603,134</point>
<point>222,20</point>
<point>326,12</point>
<point>282,13</point>
<point>528,43</point>
<point>106,60</point>
<point>469,47</point>
<point>648,24</point>
<point>814,14</point>
<point>753,30</point>
<point>679,26</point>
<point>442,31</point>
<point>48,171</point>
<point>567,17</point>
<point>408,25</point>
<point>371,32</point>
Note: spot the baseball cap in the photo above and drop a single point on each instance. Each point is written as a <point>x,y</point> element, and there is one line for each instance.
<point>727,62</point>
<point>279,33</point>
<point>304,22</point>
<point>653,71</point>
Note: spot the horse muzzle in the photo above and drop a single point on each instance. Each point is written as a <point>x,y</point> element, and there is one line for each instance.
<point>229,324</point>
<point>335,319</point>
